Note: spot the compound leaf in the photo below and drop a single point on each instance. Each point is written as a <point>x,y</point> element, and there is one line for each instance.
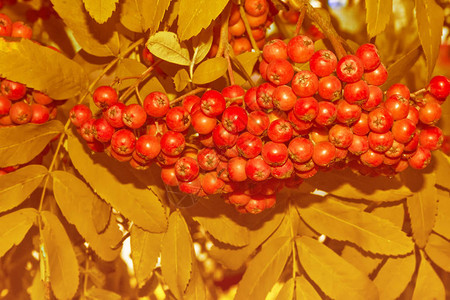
<point>14,226</point>
<point>141,15</point>
<point>287,291</point>
<point>100,10</point>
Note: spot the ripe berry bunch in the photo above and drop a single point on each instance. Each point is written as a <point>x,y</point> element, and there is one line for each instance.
<point>14,29</point>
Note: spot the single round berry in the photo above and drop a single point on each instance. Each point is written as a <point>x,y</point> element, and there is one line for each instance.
<point>330,88</point>
<point>178,119</point>
<point>202,123</point>
<point>300,48</point>
<point>349,69</point>
<point>431,138</point>
<point>279,72</point>
<point>324,153</point>
<point>274,154</point>
<point>257,169</point>
<point>156,104</point>
<point>439,87</point>
<point>249,145</point>
<point>123,142</point>
<point>207,159</point>
<point>323,63</point>
<point>305,83</point>
<point>148,147</point>
<point>341,136</point>
<point>327,114</point>
<point>5,105</point>
<point>13,90</point>
<point>104,96</point>
<point>234,119</point>
<point>186,169</point>
<point>300,149</point>
<point>212,103</point>
<point>258,122</point>
<point>134,116</point>
<point>223,138</point>
<point>172,143</point>
<point>284,98</point>
<point>357,92</point>
<point>264,95</point>
<point>306,109</point>
<point>20,113</point>
<point>114,115</point>
<point>368,54</point>
<point>376,77</point>
<point>103,131</point>
<point>41,98</point>
<point>280,131</point>
<point>236,169</point>
<point>275,49</point>
<point>380,120</point>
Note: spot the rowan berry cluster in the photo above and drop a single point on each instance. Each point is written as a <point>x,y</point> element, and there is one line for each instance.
<point>247,145</point>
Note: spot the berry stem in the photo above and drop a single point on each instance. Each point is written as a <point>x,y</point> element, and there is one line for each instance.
<point>241,68</point>
<point>301,17</point>
<point>141,78</point>
<point>230,68</point>
<point>248,28</point>
<point>193,92</point>
<point>418,92</point>
<point>223,41</point>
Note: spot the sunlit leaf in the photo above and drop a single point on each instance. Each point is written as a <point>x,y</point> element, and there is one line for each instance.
<point>101,294</point>
<point>345,223</point>
<point>304,290</point>
<point>248,61</point>
<point>176,254</point>
<point>181,80</point>
<point>41,68</point>
<point>202,43</point>
<point>329,271</point>
<point>428,283</point>
<point>438,250</point>
<point>76,199</point>
<point>64,272</point>
<point>210,70</point>
<point>145,249</point>
<point>194,15</point>
<point>113,181</point>
<point>394,276</point>
<point>364,262</point>
<point>430,18</point>
<point>394,213</point>
<point>287,291</point>
<point>378,13</point>
<point>141,15</point>
<point>96,39</point>
<point>37,289</point>
<point>100,10</point>
<point>16,186</point>
<point>442,225</point>
<point>166,46</point>
<point>20,144</point>
<point>14,226</point>
<point>264,269</point>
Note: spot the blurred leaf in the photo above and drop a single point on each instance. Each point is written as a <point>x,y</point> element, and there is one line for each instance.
<point>304,290</point>
<point>248,61</point>
<point>422,209</point>
<point>197,288</point>
<point>194,15</point>
<point>113,181</point>
<point>141,15</point>
<point>362,261</point>
<point>264,269</point>
<point>16,186</point>
<point>287,291</point>
<point>20,144</point>
<point>181,80</point>
<point>394,276</point>
<point>96,39</point>
<point>100,10</point>
<point>14,226</point>
<point>64,272</point>
<point>76,199</point>
<point>378,13</point>
<point>176,254</point>
<point>166,46</point>
<point>101,215</point>
<point>438,250</point>
<point>202,43</point>
<point>346,184</point>
<point>41,68</point>
<point>430,18</point>
<point>345,223</point>
<point>101,294</point>
<point>442,225</point>
<point>336,277</point>
<point>399,68</point>
<point>216,217</point>
<point>210,70</point>
<point>145,249</point>
<point>428,284</point>
<point>37,288</point>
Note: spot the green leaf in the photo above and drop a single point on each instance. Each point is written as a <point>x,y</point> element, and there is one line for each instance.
<point>145,249</point>
<point>304,290</point>
<point>64,272</point>
<point>210,70</point>
<point>194,15</point>
<point>287,291</point>
<point>378,13</point>
<point>346,184</point>
<point>438,250</point>
<point>100,10</point>
<point>248,61</point>
<point>202,44</point>
<point>428,284</point>
<point>346,223</point>
<point>16,186</point>
<point>41,68</point>
<point>362,261</point>
<point>141,15</point>
<point>442,225</point>
<point>166,46</point>
<point>96,39</point>
<point>181,80</point>
<point>20,144</point>
<point>399,68</point>
<point>76,201</point>
<point>422,209</point>
<point>101,294</point>
<point>176,254</point>
<point>114,182</point>
<point>336,277</point>
<point>264,269</point>
<point>430,18</point>
<point>218,219</point>
<point>14,226</point>
<point>394,276</point>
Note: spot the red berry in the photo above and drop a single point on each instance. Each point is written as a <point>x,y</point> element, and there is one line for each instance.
<point>134,116</point>
<point>430,113</point>
<point>368,54</point>
<point>431,138</point>
<point>327,114</point>
<point>284,98</point>
<point>323,63</point>
<point>223,138</point>
<point>357,92</point>
<point>348,113</point>
<point>147,147</point>
<point>420,159</point>
<point>211,184</point>
<point>114,115</point>
<point>212,103</point>
<point>274,154</point>
<point>233,94</point>
<point>5,105</point>
<point>20,113</point>
<point>104,96</point>
<point>156,104</point>
<point>360,145</point>
<point>234,119</point>
<point>40,114</point>
<point>172,143</point>
<point>380,120</point>
<point>103,131</point>
<point>178,119</point>
<point>279,72</point>
<point>207,159</point>
<point>280,131</point>
<point>349,69</point>
<point>340,136</point>
<point>376,77</point>
<point>41,98</point>
<point>306,109</point>
<point>250,99</point>
<point>300,48</point>
<point>5,25</point>
<point>275,49</point>
<point>202,123</point>
<point>371,158</point>
<point>330,88</point>
<point>305,83</point>
<point>324,153</point>
<point>257,169</point>
<point>381,142</point>
<point>258,122</point>
<point>188,102</point>
<point>123,142</point>
<point>397,106</point>
<point>398,89</point>
<point>11,89</point>
<point>236,169</point>
<point>284,171</point>
<point>375,98</point>
<point>300,149</point>
<point>249,145</point>
<point>361,127</point>
<point>79,114</point>
<point>264,95</point>
<point>439,87</point>
<point>21,30</point>
<point>186,169</point>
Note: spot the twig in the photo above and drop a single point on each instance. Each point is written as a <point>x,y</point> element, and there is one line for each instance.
<point>301,17</point>
<point>230,68</point>
<point>141,78</point>
<point>241,68</point>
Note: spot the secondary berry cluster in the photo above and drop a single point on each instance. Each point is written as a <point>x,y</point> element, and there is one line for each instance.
<point>247,145</point>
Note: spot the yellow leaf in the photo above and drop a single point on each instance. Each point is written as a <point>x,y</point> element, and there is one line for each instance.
<point>430,18</point>
<point>100,10</point>
<point>304,290</point>
<point>37,289</point>
<point>202,43</point>
<point>393,213</point>
<point>20,144</point>
<point>394,276</point>
<point>428,283</point>
<point>345,223</point>
<point>16,186</point>
<point>101,214</point>
<point>248,61</point>
<point>101,294</point>
<point>41,68</point>
<point>438,250</point>
<point>145,249</point>
<point>176,254</point>
<point>210,70</point>
<point>141,15</point>
<point>14,226</point>
<point>181,80</point>
<point>287,291</point>
<point>378,13</point>
<point>194,15</point>
<point>264,269</point>
<point>197,288</point>
<point>64,272</point>
<point>166,46</point>
<point>362,261</point>
<point>442,225</point>
<point>76,199</point>
<point>442,166</point>
<point>335,277</point>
